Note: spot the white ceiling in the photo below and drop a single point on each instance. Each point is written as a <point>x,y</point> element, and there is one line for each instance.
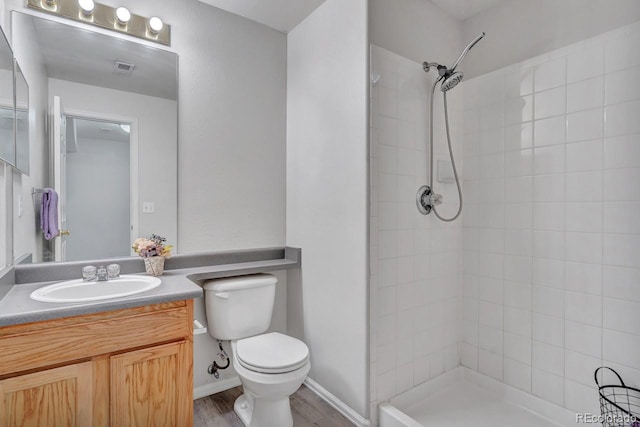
<point>282,15</point>
<point>463,9</point>
<point>87,57</point>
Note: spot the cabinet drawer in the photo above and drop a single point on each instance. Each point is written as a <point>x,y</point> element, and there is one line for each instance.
<point>92,336</point>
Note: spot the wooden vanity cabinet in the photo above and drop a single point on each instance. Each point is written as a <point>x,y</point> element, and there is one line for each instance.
<point>130,367</point>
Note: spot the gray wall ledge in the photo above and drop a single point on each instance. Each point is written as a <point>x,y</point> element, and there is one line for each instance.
<point>220,264</point>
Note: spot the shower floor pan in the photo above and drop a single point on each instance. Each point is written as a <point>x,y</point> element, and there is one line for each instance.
<point>464,398</point>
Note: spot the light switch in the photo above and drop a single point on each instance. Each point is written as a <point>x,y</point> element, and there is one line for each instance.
<point>148,207</point>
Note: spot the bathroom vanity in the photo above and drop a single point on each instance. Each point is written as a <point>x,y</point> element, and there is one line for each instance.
<point>125,367</point>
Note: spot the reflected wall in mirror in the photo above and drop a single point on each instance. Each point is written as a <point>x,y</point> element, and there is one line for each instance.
<point>22,121</point>
<point>7,103</point>
<point>111,140</point>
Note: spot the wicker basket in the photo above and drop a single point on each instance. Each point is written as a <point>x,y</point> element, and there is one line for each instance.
<point>154,265</point>
<point>619,403</point>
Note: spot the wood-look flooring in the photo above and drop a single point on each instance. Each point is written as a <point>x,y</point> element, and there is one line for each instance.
<point>307,408</point>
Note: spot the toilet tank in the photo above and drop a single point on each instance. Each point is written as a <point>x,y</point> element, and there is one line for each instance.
<point>239,307</point>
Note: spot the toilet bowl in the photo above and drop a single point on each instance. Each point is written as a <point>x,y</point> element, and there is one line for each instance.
<point>271,366</point>
<point>268,382</point>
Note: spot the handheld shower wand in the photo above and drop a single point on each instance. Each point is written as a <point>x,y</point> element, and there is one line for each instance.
<point>427,199</point>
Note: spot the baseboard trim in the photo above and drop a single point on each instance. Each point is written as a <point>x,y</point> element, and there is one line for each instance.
<point>337,404</point>
<point>217,387</point>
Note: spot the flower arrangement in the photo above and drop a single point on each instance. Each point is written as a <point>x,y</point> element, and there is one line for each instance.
<point>151,247</point>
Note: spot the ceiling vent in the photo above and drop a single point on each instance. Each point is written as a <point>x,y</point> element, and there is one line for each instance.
<point>123,67</point>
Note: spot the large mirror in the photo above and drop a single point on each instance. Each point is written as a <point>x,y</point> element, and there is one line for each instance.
<point>7,103</point>
<point>110,142</point>
<point>22,121</point>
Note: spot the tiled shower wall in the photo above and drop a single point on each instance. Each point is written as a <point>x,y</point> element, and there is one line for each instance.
<point>551,285</point>
<point>415,260</point>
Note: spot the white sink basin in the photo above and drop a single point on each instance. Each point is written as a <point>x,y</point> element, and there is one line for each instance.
<point>81,291</point>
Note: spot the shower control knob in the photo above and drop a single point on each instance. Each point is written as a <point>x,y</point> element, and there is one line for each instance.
<point>435,199</point>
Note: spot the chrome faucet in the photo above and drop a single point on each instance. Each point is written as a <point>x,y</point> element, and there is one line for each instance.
<point>91,274</point>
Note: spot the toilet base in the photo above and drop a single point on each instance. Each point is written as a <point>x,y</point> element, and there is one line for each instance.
<point>263,412</point>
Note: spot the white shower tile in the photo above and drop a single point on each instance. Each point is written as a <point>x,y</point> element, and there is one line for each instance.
<point>549,216</point>
<point>492,116</point>
<point>518,216</point>
<point>549,273</point>
<point>517,163</point>
<point>407,135</point>
<point>620,184</point>
<point>490,314</point>
<point>387,301</point>
<point>517,347</point>
<point>517,321</point>
<point>492,141</point>
<point>517,374</point>
<point>582,277</point>
<point>622,52</point>
<point>387,272</point>
<point>550,74</point>
<point>584,186</point>
<point>583,308</point>
<point>548,329</point>
<point>621,217</point>
<point>622,119</point>
<point>581,398</point>
<point>518,189</point>
<point>387,244</point>
<point>585,63</point>
<point>518,268</point>
<point>584,156</point>
<point>622,86</point>
<point>585,95</point>
<point>550,131</point>
<point>580,367</point>
<point>548,386</point>
<point>518,242</point>
<point>490,364</point>
<point>621,348</point>
<point>548,244</point>
<point>622,250</point>
<point>586,217</point>
<point>548,358</point>
<point>518,110</point>
<point>518,137</point>
<point>622,316</point>
<point>406,161</point>
<point>585,125</point>
<point>621,282</point>
<point>550,103</point>
<point>549,302</point>
<point>622,152</point>
<point>549,188</point>
<point>518,295</point>
<point>387,159</point>
<point>387,102</point>
<point>549,160</point>
<point>583,338</point>
<point>584,247</point>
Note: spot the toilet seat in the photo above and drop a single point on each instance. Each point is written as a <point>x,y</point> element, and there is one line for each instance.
<point>272,353</point>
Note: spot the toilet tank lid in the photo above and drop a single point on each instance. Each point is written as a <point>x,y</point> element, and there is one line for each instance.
<point>240,282</point>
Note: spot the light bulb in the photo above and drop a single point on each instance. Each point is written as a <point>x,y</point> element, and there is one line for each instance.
<point>87,6</point>
<point>123,15</point>
<point>155,24</point>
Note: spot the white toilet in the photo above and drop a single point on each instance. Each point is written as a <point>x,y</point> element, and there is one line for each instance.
<point>271,366</point>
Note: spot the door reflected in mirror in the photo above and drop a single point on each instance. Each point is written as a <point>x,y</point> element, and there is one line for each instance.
<point>22,121</point>
<point>112,138</point>
<point>7,103</point>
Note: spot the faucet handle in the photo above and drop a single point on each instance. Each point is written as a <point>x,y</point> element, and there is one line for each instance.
<point>88,273</point>
<point>113,271</point>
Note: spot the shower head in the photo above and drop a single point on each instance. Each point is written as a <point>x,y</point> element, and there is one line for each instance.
<point>466,50</point>
<point>451,81</point>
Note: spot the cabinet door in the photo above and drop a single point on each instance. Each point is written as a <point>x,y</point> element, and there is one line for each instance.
<point>55,397</point>
<point>152,387</point>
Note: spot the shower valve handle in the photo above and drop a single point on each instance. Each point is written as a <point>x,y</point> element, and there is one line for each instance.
<point>435,199</point>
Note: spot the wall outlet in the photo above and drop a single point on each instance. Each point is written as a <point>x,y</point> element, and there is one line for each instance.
<point>148,207</point>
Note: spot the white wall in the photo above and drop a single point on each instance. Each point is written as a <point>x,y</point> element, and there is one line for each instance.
<point>157,148</point>
<point>327,194</point>
<point>551,236</point>
<point>27,237</point>
<point>415,29</point>
<point>98,200</point>
<point>521,29</point>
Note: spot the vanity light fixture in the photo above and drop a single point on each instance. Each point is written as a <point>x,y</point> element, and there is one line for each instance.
<point>87,6</point>
<point>118,19</point>
<point>155,25</point>
<point>123,15</point>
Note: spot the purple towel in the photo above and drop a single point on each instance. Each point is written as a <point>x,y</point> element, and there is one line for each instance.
<point>49,213</point>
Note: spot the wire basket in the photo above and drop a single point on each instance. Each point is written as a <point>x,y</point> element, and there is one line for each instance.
<point>619,404</point>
